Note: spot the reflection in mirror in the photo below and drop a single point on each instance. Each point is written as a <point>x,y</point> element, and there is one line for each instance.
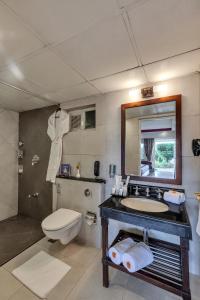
<point>151,141</point>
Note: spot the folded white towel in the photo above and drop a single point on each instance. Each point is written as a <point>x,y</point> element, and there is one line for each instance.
<point>198,224</point>
<point>174,197</point>
<point>138,257</point>
<point>116,252</point>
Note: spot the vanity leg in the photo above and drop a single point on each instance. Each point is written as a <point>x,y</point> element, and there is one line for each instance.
<point>184,243</point>
<point>104,224</point>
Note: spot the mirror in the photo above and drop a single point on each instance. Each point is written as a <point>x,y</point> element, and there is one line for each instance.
<point>151,140</point>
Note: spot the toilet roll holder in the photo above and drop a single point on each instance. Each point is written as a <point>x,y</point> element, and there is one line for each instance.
<point>91,218</point>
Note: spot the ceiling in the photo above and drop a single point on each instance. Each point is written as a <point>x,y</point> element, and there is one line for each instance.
<point>52,51</point>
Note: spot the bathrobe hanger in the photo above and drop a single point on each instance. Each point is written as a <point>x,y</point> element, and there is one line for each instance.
<point>57,110</point>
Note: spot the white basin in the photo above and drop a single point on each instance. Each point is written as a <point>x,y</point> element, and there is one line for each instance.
<point>143,204</point>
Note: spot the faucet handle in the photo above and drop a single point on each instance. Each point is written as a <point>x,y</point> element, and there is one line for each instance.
<point>137,191</point>
<point>36,195</point>
<point>147,191</point>
<point>159,191</point>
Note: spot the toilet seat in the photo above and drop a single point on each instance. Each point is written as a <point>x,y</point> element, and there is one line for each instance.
<point>61,218</point>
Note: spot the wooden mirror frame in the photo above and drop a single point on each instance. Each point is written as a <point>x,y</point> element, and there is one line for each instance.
<point>177,100</point>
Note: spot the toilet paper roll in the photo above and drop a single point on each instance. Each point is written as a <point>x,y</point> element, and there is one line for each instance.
<point>90,218</point>
<point>89,222</point>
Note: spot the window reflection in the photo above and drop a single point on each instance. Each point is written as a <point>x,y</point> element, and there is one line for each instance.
<point>150,149</point>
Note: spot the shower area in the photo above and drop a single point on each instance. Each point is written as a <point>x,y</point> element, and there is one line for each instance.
<point>26,197</point>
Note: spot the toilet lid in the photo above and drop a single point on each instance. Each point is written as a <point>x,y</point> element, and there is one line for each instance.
<point>60,218</point>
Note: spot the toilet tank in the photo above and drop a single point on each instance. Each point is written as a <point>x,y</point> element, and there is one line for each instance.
<point>71,194</point>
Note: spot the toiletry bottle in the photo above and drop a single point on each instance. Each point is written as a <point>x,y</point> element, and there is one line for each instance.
<point>114,190</point>
<point>124,190</point>
<point>121,191</point>
<point>78,175</point>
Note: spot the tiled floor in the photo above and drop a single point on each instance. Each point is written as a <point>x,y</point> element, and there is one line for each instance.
<point>84,280</point>
<point>16,234</point>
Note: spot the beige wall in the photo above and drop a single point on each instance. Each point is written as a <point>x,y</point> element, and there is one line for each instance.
<point>104,144</point>
<point>9,122</point>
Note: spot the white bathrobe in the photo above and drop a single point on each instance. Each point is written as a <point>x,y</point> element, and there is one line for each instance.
<point>58,125</point>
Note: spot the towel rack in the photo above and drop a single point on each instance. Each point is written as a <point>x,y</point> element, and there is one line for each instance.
<point>145,236</point>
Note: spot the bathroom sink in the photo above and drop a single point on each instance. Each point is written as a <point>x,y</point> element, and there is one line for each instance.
<point>144,204</point>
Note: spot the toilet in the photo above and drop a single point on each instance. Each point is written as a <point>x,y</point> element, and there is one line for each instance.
<point>63,225</point>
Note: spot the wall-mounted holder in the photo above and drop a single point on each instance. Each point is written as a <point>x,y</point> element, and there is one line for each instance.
<point>91,218</point>
<point>96,168</point>
<point>196,147</point>
<point>35,160</point>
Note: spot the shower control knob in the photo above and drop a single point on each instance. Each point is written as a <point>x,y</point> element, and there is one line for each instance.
<point>159,191</point>
<point>36,195</point>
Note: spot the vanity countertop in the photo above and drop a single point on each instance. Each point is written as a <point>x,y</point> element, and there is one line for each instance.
<point>174,221</point>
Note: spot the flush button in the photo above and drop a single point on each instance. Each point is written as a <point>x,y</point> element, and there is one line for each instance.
<point>87,192</point>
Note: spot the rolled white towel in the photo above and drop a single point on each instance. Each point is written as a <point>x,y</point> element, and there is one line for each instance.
<point>137,257</point>
<point>174,197</point>
<point>116,252</point>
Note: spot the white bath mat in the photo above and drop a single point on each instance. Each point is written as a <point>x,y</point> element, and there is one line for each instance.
<point>41,273</point>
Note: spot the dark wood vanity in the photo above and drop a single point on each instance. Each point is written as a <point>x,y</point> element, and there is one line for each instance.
<point>170,269</point>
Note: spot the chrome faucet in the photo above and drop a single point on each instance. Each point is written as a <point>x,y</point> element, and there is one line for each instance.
<point>159,196</point>
<point>147,192</point>
<point>137,191</point>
